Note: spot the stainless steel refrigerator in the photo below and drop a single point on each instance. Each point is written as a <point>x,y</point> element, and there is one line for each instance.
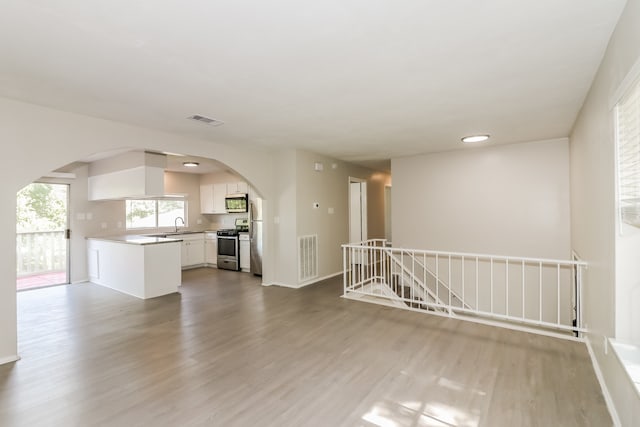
<point>255,235</point>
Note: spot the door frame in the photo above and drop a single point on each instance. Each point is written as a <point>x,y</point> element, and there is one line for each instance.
<point>67,228</point>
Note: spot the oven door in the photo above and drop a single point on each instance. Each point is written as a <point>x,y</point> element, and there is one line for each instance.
<point>227,246</point>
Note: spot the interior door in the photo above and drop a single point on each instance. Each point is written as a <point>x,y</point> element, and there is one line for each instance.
<point>42,235</point>
<point>357,210</point>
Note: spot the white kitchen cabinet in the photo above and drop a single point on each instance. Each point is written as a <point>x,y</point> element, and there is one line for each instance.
<point>219,194</point>
<point>211,250</point>
<point>212,198</point>
<point>144,270</point>
<point>245,253</point>
<point>192,250</point>
<point>237,187</point>
<point>206,199</point>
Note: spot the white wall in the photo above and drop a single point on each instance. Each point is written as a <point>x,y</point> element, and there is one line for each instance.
<point>285,218</point>
<point>330,188</point>
<point>503,200</point>
<point>298,186</point>
<point>39,140</point>
<point>593,220</point>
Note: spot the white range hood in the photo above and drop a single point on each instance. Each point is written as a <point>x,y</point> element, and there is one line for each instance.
<point>133,175</point>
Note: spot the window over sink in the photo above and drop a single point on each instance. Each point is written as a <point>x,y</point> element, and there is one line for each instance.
<point>149,213</point>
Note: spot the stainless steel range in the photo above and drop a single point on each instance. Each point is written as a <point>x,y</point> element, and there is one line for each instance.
<point>228,249</point>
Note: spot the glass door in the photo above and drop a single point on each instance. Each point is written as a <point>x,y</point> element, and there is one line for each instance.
<point>42,249</point>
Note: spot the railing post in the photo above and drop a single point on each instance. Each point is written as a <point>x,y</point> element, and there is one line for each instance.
<point>579,299</point>
<point>344,270</point>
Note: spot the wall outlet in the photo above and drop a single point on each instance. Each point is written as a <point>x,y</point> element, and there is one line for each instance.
<point>330,211</point>
<point>103,225</point>
<point>276,220</point>
<point>89,216</point>
<point>316,205</point>
<point>81,216</point>
<point>119,224</point>
<point>199,221</point>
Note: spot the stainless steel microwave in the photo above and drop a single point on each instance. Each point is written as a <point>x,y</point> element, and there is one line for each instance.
<point>236,203</point>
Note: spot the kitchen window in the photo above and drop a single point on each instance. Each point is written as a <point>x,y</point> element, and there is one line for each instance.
<point>154,213</point>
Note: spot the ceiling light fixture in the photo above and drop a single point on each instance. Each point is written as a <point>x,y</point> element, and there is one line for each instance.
<point>206,120</point>
<point>475,138</point>
<point>190,164</point>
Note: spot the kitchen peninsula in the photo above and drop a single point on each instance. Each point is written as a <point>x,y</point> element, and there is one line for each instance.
<point>141,266</point>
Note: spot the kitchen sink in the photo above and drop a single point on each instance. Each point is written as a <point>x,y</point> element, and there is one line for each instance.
<point>172,233</point>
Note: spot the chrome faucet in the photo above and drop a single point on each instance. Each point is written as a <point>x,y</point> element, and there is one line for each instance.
<point>176,222</point>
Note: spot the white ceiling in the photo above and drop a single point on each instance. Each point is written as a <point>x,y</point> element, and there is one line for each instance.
<point>355,79</point>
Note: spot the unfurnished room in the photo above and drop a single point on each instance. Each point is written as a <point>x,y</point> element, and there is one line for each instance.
<point>330,213</point>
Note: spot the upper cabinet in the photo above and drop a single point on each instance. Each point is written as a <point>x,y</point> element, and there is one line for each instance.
<point>212,196</point>
<point>130,175</point>
<point>237,187</point>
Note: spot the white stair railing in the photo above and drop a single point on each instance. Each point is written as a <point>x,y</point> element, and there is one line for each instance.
<point>417,268</point>
<point>516,292</point>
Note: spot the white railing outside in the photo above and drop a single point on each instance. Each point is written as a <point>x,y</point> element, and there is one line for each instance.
<point>40,252</point>
<point>510,291</point>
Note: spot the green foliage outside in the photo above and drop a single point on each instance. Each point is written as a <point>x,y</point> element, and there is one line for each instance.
<point>41,207</point>
<point>139,209</point>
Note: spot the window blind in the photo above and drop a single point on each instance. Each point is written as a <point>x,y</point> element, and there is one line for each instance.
<point>628,135</point>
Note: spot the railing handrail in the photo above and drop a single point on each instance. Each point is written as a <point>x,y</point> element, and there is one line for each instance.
<point>467,254</point>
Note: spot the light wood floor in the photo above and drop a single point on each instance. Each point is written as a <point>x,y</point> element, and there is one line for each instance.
<point>228,352</point>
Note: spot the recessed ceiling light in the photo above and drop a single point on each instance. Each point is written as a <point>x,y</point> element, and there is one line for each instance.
<point>190,164</point>
<point>475,138</point>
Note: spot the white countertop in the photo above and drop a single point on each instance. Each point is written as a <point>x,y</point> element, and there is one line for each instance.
<point>136,239</point>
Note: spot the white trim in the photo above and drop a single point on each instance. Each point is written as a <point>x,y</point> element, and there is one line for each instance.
<point>60,175</point>
<point>625,85</point>
<point>302,285</point>
<point>77,282</point>
<point>563,262</point>
<point>603,386</point>
<point>9,359</point>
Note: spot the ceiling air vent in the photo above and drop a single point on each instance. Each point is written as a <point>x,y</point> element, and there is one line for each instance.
<point>206,120</point>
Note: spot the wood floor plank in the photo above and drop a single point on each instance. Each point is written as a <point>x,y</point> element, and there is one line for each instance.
<point>229,352</point>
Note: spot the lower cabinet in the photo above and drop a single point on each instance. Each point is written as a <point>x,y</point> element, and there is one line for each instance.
<point>192,251</point>
<point>245,253</point>
<point>211,252</point>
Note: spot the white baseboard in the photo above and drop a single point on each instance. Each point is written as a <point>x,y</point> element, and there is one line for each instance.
<point>9,359</point>
<point>75,282</point>
<point>603,386</point>
<point>302,285</point>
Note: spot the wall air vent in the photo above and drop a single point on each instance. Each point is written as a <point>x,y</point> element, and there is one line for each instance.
<point>307,257</point>
<point>206,120</point>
